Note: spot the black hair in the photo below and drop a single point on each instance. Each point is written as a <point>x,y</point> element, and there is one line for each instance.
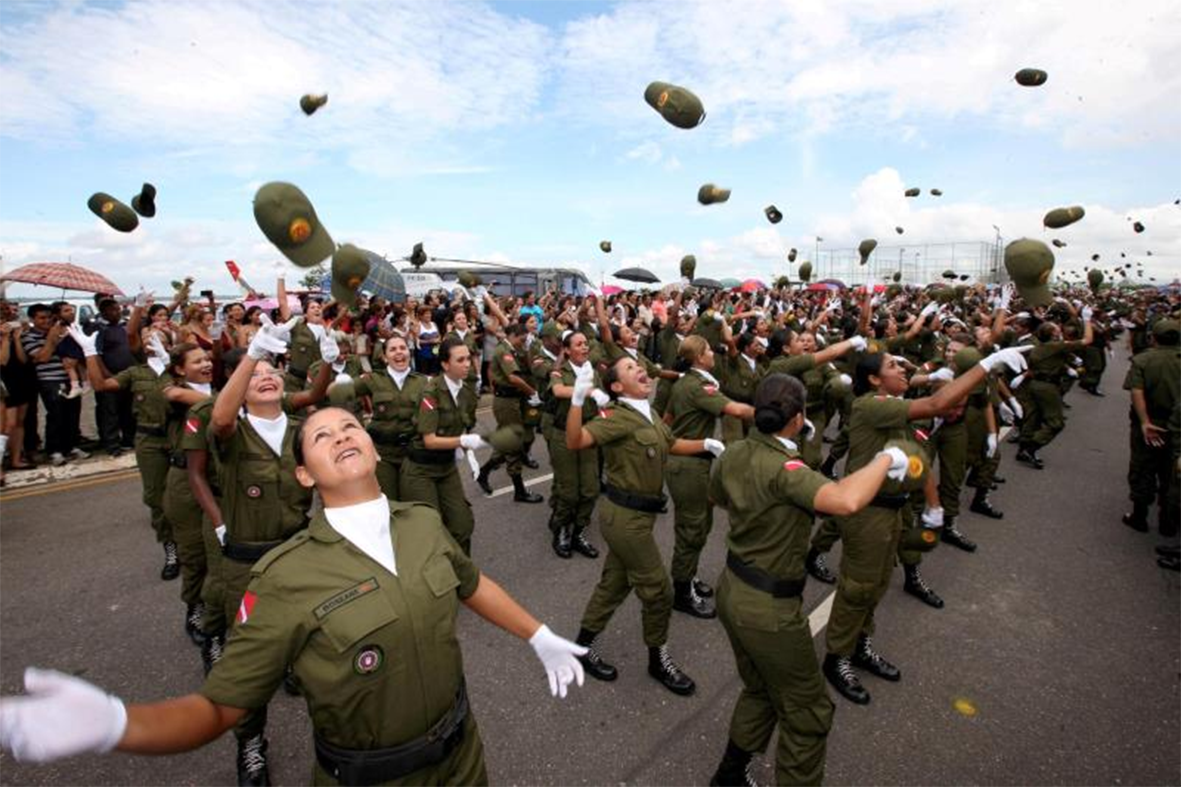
<point>569,337</point>
<point>449,344</point>
<point>1045,332</point>
<point>107,301</point>
<point>867,366</point>
<point>516,329</point>
<point>616,332</point>
<point>777,343</point>
<point>611,376</point>
<point>225,310</point>
<point>778,399</point>
<point>176,356</point>
<point>744,340</point>
<point>37,308</point>
<point>231,358</point>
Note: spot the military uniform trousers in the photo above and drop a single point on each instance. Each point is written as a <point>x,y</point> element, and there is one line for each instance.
<point>733,429</point>
<point>183,513</point>
<point>235,577</point>
<point>1152,475</point>
<point>441,487</point>
<point>507,411</point>
<point>633,562</point>
<point>813,447</point>
<point>390,466</point>
<point>950,444</point>
<point>869,543</point>
<point>781,680</point>
<point>576,483</point>
<point>688,484</point>
<point>1044,419</point>
<point>213,588</point>
<point>826,535</point>
<point>910,521</point>
<point>151,457</point>
<point>1094,364</point>
<point>980,469</point>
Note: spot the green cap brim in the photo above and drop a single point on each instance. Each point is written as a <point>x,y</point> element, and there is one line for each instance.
<point>1035,295</point>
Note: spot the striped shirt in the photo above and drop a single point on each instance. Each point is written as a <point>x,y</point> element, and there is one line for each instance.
<point>52,370</point>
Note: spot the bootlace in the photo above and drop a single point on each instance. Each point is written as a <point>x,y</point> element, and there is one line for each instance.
<point>169,552</point>
<point>215,649</point>
<point>196,613</point>
<point>845,670</point>
<point>821,564</point>
<point>592,654</point>
<point>748,778</point>
<point>868,653</point>
<point>666,661</point>
<point>916,580</point>
<point>253,757</point>
<point>693,596</point>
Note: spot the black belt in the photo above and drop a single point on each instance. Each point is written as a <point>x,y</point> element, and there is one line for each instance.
<point>153,431</point>
<point>247,553</point>
<point>706,455</point>
<point>761,580</point>
<point>892,502</point>
<point>384,438</point>
<point>1052,379</point>
<point>376,766</point>
<point>300,373</point>
<point>511,393</point>
<point>648,504</point>
<point>178,460</point>
<point>425,456</point>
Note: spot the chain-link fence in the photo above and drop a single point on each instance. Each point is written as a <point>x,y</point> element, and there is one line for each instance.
<point>980,261</point>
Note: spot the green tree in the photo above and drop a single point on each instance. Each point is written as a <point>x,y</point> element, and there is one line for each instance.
<point>314,276</point>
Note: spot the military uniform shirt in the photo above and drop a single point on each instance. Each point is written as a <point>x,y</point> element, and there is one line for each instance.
<point>634,450</point>
<point>439,414</point>
<point>1157,372</point>
<point>376,654</point>
<point>393,408</point>
<point>147,394</point>
<point>695,405</point>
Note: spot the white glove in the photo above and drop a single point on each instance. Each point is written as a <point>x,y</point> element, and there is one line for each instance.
<point>472,442</point>
<point>928,310</point>
<point>933,518</point>
<point>143,298</point>
<point>1015,406</point>
<point>601,399</point>
<point>156,347</point>
<point>342,378</point>
<point>808,430</point>
<point>1071,372</point>
<point>990,445</point>
<point>560,658</point>
<point>270,338</point>
<point>480,292</point>
<point>59,716</point>
<point>216,330</point>
<point>534,400</point>
<point>472,463</point>
<point>280,269</point>
<point>1016,383</point>
<point>941,375</point>
<point>715,447</point>
<point>1088,312</point>
<point>899,462</point>
<point>846,379</point>
<point>89,344</point>
<point>1006,296</point>
<point>858,343</point>
<point>1012,357</point>
<point>582,389</point>
<point>329,349</point>
<point>1006,413</point>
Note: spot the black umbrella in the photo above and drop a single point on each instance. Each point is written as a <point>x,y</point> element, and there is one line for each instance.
<point>638,275</point>
<point>710,283</point>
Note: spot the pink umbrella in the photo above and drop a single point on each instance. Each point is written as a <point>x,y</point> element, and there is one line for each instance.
<point>611,289</point>
<point>751,285</point>
<point>63,275</point>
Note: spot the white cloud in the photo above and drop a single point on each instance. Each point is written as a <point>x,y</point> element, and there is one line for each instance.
<point>648,152</point>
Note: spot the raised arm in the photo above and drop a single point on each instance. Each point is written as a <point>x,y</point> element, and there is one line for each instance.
<point>853,492</point>
<point>281,294</point>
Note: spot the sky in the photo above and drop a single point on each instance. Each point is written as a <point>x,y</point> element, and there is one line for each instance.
<point>518,131</point>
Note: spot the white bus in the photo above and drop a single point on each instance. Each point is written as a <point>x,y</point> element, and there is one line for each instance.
<point>501,279</point>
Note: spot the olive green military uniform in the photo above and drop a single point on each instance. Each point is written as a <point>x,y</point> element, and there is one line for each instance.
<point>1047,367</point>
<point>816,382</point>
<point>576,473</point>
<point>981,468</point>
<point>197,437</point>
<point>769,493</point>
<point>1152,471</point>
<point>910,546</point>
<point>740,377</point>
<point>507,402</point>
<point>709,326</point>
<point>375,653</point>
<point>302,352</point>
<point>870,537</point>
<point>343,394</point>
<point>182,510</point>
<point>695,405</point>
<point>530,413</point>
<point>950,444</point>
<point>430,476</point>
<point>1095,357</point>
<point>635,452</point>
<point>669,342</point>
<point>392,425</point>
<point>151,438</point>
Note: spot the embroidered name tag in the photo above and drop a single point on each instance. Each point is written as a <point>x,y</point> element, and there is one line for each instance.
<point>340,599</point>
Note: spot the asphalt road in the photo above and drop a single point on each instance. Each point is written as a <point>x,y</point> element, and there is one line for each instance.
<point>1060,631</point>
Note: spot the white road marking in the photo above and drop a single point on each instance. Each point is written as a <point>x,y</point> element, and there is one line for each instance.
<point>541,479</point>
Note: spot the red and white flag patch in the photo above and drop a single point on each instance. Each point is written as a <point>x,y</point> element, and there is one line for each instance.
<point>192,425</point>
<point>921,436</point>
<point>793,464</point>
<point>246,608</point>
<point>507,358</point>
<point>712,390</point>
<point>427,403</point>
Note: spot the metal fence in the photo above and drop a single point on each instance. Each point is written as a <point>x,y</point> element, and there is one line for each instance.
<point>981,261</point>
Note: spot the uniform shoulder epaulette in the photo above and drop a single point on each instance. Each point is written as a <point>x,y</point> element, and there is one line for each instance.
<point>288,546</point>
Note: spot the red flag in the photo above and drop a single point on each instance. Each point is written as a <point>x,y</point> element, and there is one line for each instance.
<point>233,268</point>
<point>247,606</point>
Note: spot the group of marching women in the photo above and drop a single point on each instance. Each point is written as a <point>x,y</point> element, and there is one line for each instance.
<point>320,603</point>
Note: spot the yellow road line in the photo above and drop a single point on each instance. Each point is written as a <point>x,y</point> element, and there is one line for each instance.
<point>66,486</point>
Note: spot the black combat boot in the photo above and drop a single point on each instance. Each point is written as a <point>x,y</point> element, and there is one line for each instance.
<point>839,672</point>
<point>212,649</point>
<point>592,662</point>
<point>1138,519</point>
<point>562,542</point>
<point>982,505</point>
<point>685,599</point>
<point>1168,550</point>
<point>291,684</point>
<point>1028,456</point>
<point>1170,563</point>
<point>485,471</point>
<point>867,658</point>
<point>171,568</point>
<point>523,495</point>
<point>583,547</point>
<point>915,586</point>
<point>703,588</point>
<point>818,568</point>
<point>952,535</point>
<point>662,667</point>
<point>529,461</point>
<point>194,615</point>
<point>734,769</point>
<point>252,762</point>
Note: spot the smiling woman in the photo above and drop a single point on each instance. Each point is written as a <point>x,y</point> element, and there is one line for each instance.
<point>362,605</point>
